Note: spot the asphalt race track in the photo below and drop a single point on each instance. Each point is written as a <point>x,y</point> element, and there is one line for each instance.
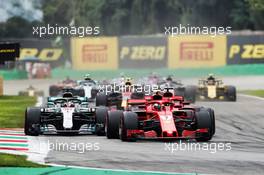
<point>240,123</point>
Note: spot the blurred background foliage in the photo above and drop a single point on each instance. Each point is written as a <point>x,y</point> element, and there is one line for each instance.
<point>136,17</point>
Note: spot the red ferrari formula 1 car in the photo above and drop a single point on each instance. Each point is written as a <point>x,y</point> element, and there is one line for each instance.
<point>160,117</point>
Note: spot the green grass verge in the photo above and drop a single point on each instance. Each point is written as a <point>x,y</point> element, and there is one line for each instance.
<point>12,109</point>
<point>10,160</point>
<point>230,70</point>
<point>258,93</point>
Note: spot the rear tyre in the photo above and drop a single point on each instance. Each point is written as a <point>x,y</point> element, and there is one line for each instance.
<point>112,124</point>
<point>100,118</point>
<point>129,121</point>
<point>190,93</point>
<point>80,92</point>
<point>179,92</point>
<point>137,95</point>
<point>32,121</point>
<point>53,91</point>
<point>203,120</point>
<point>231,93</point>
<point>101,100</point>
<point>212,116</point>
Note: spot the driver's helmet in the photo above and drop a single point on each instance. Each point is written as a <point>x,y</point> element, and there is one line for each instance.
<point>169,78</point>
<point>87,77</point>
<point>211,79</point>
<point>128,81</point>
<point>157,106</point>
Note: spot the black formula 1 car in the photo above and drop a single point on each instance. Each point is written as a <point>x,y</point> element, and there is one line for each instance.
<point>66,114</point>
<point>116,95</point>
<point>187,91</point>
<point>57,89</point>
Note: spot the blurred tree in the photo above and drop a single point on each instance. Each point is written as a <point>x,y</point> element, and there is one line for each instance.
<point>240,17</point>
<point>58,11</point>
<point>256,12</point>
<point>128,17</point>
<point>17,27</point>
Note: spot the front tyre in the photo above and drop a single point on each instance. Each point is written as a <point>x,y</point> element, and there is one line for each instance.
<point>100,118</point>
<point>212,116</point>
<point>129,121</point>
<point>32,121</point>
<point>203,121</point>
<point>231,93</point>
<point>112,124</point>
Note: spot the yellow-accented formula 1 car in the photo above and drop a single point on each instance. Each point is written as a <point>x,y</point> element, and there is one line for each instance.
<point>212,88</point>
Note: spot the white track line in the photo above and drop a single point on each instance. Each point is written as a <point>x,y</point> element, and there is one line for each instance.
<point>38,147</point>
<point>251,96</point>
<point>118,170</point>
<point>13,152</point>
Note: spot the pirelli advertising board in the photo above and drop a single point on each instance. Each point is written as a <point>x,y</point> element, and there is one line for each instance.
<point>142,52</point>
<point>187,51</point>
<point>245,49</point>
<point>94,53</point>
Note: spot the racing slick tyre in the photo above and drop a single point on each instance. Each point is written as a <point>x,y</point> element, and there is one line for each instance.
<point>203,120</point>
<point>79,92</point>
<point>212,116</point>
<point>231,93</point>
<point>129,121</point>
<point>32,121</point>
<point>101,100</point>
<point>179,92</point>
<point>190,93</point>
<point>53,91</point>
<point>94,93</point>
<point>100,118</point>
<point>112,124</point>
<point>137,95</point>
